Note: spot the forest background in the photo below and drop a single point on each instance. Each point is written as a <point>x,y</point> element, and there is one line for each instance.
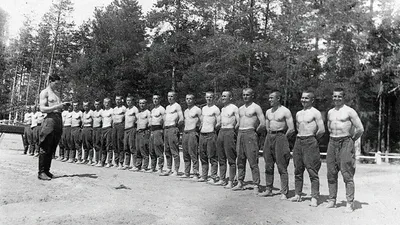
<point>193,46</point>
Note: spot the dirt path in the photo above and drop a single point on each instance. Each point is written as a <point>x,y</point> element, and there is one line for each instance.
<point>89,195</point>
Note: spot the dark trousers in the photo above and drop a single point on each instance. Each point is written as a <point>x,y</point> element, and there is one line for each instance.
<point>157,148</point>
<point>208,154</point>
<point>87,142</point>
<point>226,149</point>
<point>190,143</point>
<point>306,156</point>
<point>171,137</point>
<point>142,146</point>
<point>97,143</point>
<point>276,150</point>
<point>341,156</point>
<point>27,139</point>
<point>35,138</point>
<point>247,149</point>
<point>118,142</point>
<point>130,146</point>
<point>65,142</point>
<point>49,136</point>
<point>106,145</point>
<point>76,143</point>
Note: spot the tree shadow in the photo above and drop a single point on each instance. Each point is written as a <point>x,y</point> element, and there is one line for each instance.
<point>88,175</point>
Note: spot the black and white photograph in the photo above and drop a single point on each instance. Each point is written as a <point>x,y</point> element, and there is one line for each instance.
<point>270,112</point>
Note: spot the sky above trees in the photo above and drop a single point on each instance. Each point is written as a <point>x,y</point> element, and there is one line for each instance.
<point>83,10</point>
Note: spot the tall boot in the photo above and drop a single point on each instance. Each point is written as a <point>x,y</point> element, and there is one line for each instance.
<point>42,163</point>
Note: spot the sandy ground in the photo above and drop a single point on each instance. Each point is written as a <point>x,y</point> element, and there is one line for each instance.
<point>88,195</point>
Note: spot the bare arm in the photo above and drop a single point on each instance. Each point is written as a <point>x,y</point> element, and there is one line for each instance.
<point>236,112</point>
<point>261,118</point>
<point>180,115</point>
<point>217,118</point>
<point>289,123</point>
<point>267,121</point>
<point>357,124</point>
<point>320,125</point>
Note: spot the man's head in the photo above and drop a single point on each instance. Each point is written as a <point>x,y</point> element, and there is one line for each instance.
<point>171,97</point>
<point>226,97</point>
<point>75,106</point>
<point>156,99</point>
<point>190,100</point>
<point>97,103</point>
<point>85,105</point>
<point>209,98</point>
<point>118,100</point>
<point>338,97</point>
<point>275,98</point>
<point>54,81</point>
<point>142,104</point>
<point>307,98</point>
<point>129,101</point>
<point>248,95</point>
<point>106,103</point>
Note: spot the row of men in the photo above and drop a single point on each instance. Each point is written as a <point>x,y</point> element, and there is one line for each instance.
<point>129,132</point>
<point>33,120</point>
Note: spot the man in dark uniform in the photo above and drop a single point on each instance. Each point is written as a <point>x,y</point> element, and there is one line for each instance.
<point>51,130</point>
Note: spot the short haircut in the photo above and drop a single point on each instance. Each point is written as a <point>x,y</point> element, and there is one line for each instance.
<point>209,92</point>
<point>158,95</point>
<point>85,103</point>
<point>312,95</point>
<point>107,98</point>
<point>130,97</point>
<point>277,93</point>
<point>250,90</point>
<point>229,92</point>
<point>172,92</point>
<point>142,100</point>
<point>190,94</point>
<point>339,89</point>
<point>118,96</point>
<point>97,100</point>
<point>54,77</point>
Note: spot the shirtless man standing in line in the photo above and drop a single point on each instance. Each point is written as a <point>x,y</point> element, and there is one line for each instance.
<point>310,127</point>
<point>279,124</point>
<point>190,139</point>
<point>130,134</point>
<point>156,136</point>
<point>118,132</point>
<point>142,136</point>
<point>208,137</point>
<point>250,115</point>
<point>97,131</point>
<point>87,134</point>
<point>345,128</point>
<point>76,134</point>
<point>27,137</point>
<point>172,119</point>
<point>50,133</point>
<point>226,145</point>
<point>106,134</point>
